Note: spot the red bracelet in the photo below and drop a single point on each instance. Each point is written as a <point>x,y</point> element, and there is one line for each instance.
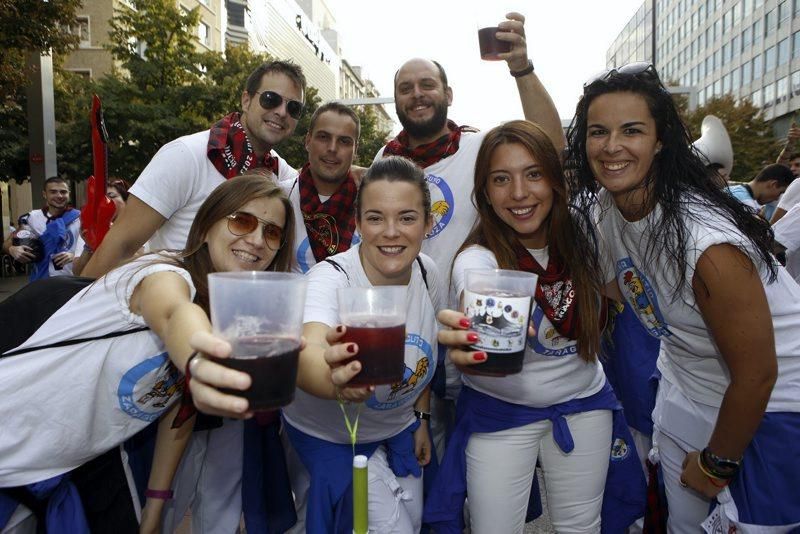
<point>164,495</point>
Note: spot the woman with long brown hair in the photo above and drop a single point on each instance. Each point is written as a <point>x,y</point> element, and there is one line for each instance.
<point>558,407</point>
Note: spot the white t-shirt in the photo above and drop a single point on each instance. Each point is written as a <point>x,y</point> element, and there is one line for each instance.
<point>689,356</point>
<point>787,233</point>
<point>791,196</point>
<point>451,181</point>
<point>552,372</point>
<point>390,409</point>
<point>303,258</point>
<point>177,181</point>
<point>64,406</point>
<point>73,242</point>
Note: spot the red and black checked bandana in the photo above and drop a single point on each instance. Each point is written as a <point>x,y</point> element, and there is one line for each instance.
<point>330,225</point>
<point>430,153</point>
<point>554,292</point>
<point>230,152</point>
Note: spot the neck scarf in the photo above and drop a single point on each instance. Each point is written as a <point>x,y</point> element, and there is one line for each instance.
<point>430,153</point>
<point>330,225</point>
<point>555,294</point>
<point>230,151</point>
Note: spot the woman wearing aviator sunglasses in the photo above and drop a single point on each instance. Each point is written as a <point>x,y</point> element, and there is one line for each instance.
<point>110,360</point>
<point>696,268</point>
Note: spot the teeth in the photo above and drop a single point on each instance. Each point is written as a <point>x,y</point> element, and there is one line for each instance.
<point>615,166</point>
<point>521,211</point>
<point>391,250</point>
<point>245,256</point>
<point>275,124</point>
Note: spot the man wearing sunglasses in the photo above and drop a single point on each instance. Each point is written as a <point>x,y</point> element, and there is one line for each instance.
<point>324,192</point>
<point>161,207</point>
<point>168,193</point>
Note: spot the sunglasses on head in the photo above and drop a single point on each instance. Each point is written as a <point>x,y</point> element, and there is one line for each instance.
<point>631,69</point>
<point>271,100</point>
<point>243,223</point>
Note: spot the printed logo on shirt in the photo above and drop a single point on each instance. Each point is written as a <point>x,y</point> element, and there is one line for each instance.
<point>305,256</point>
<point>69,240</point>
<point>442,204</point>
<point>640,295</point>
<point>619,450</point>
<point>145,391</point>
<point>393,395</point>
<point>547,341</point>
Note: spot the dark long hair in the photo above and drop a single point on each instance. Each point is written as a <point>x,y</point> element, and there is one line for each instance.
<point>566,230</point>
<point>226,199</point>
<point>677,181</point>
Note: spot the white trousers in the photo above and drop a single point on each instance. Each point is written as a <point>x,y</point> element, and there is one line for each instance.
<point>209,479</point>
<point>500,470</point>
<point>395,503</point>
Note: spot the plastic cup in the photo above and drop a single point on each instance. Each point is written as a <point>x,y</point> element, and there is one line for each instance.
<point>375,318</point>
<point>261,315</point>
<point>498,304</point>
<point>490,45</point>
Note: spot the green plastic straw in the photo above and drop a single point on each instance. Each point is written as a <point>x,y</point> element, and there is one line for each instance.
<point>360,517</point>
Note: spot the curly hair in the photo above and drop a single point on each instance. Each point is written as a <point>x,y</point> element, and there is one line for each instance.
<point>677,180</point>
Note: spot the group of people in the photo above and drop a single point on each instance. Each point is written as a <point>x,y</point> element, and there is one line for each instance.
<point>628,213</point>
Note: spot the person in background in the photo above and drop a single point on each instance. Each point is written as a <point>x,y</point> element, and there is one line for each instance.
<point>766,187</point>
<point>117,192</point>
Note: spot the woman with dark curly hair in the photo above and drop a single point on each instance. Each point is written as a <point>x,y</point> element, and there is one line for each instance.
<point>695,265</point>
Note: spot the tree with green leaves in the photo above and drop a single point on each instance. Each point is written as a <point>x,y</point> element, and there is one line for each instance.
<point>32,26</point>
<point>752,138</point>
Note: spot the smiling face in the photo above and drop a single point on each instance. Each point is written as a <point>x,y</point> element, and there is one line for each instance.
<point>230,252</point>
<point>331,148</point>
<point>421,100</point>
<point>621,144</point>
<point>519,193</point>
<point>266,128</point>
<point>392,223</point>
<point>56,196</point>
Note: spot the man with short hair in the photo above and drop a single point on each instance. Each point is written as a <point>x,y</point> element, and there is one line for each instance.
<point>160,210</point>
<point>323,194</point>
<point>58,227</point>
<point>766,187</point>
<point>170,190</point>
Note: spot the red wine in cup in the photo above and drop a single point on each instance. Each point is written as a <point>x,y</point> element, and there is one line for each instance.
<point>489,44</point>
<point>271,362</point>
<point>381,351</point>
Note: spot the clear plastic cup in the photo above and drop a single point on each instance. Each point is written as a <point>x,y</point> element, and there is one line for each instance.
<point>375,318</point>
<point>498,304</point>
<point>261,315</point>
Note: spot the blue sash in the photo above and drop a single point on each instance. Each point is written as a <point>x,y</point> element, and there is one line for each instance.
<point>330,467</point>
<point>625,491</point>
<point>64,511</point>
<point>52,240</point>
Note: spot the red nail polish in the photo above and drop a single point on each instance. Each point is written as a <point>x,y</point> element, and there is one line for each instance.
<point>464,323</point>
<point>479,356</point>
<point>351,348</point>
<point>472,337</point>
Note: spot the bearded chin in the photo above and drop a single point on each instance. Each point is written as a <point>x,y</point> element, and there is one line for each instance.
<point>428,128</point>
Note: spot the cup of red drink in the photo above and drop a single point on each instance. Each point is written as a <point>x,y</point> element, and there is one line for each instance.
<point>261,315</point>
<point>375,320</point>
<point>491,47</point>
<point>498,305</point>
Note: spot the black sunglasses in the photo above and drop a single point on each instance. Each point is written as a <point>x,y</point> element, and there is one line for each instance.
<point>631,69</point>
<point>271,100</point>
<point>242,223</point>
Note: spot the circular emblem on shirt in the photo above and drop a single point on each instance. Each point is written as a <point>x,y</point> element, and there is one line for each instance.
<point>619,450</point>
<point>145,391</point>
<point>548,341</point>
<point>414,380</point>
<point>442,204</point>
<point>305,256</point>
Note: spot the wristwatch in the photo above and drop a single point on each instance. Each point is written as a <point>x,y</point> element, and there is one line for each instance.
<point>423,416</point>
<point>724,468</point>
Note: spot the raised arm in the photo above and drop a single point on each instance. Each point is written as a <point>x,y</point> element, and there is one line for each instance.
<point>733,304</point>
<point>537,106</point>
<point>134,227</point>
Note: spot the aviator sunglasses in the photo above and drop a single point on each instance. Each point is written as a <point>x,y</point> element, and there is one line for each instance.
<point>631,69</point>
<point>271,100</point>
<point>242,223</point>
